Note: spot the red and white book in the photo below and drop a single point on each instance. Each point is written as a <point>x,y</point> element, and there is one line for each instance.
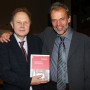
<point>40,65</point>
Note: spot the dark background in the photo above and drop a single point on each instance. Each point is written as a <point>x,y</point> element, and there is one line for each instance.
<point>80,13</point>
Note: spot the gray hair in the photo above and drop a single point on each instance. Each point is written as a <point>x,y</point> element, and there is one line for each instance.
<point>58,5</point>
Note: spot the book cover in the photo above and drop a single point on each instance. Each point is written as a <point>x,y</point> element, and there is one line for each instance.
<point>40,65</point>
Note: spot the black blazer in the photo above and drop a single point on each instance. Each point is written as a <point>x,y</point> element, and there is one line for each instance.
<point>78,58</point>
<point>15,71</point>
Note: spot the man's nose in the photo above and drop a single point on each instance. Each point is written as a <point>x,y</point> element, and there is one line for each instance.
<point>22,24</point>
<point>58,22</point>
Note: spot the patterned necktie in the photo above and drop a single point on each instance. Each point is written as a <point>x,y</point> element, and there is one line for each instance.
<point>61,66</point>
<point>23,50</point>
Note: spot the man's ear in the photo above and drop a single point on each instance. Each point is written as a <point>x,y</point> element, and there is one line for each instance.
<point>69,19</point>
<point>11,24</point>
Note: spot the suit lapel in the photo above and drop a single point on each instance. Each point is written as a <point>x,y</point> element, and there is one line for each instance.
<point>29,47</point>
<point>15,47</point>
<point>74,44</point>
<point>51,41</point>
<point>29,41</point>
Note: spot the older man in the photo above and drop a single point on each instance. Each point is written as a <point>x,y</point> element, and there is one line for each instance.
<point>15,55</point>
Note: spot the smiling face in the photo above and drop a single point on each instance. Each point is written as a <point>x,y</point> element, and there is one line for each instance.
<point>21,24</point>
<point>60,21</point>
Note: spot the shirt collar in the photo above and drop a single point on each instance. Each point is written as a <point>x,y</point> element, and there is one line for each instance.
<point>18,40</point>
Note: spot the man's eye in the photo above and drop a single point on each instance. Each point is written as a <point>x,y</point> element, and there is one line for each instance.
<point>18,22</point>
<point>62,18</point>
<point>54,20</point>
<point>26,22</point>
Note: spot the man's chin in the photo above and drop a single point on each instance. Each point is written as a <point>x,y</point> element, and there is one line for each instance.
<point>60,32</point>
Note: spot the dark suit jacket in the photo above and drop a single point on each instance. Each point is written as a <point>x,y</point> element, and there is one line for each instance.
<point>78,58</point>
<point>15,71</point>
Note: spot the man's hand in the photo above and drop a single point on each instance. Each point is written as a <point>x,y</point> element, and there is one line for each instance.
<point>5,37</point>
<point>36,80</point>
